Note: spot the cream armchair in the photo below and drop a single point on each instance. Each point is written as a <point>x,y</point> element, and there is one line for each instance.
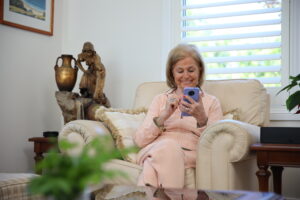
<point>224,161</point>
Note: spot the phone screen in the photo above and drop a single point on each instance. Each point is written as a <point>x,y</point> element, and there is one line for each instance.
<point>192,92</point>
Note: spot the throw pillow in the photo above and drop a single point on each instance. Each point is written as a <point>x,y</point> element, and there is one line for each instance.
<point>122,123</point>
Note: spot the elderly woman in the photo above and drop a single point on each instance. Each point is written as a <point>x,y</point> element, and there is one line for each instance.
<point>169,141</point>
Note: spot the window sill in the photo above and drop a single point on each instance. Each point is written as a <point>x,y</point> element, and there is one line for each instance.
<point>283,115</point>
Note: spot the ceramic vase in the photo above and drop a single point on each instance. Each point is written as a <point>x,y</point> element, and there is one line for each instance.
<point>66,75</point>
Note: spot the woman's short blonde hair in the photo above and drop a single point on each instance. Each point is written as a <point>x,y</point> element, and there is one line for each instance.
<point>178,53</point>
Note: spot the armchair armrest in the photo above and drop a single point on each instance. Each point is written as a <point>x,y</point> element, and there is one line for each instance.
<point>224,155</point>
<point>82,132</point>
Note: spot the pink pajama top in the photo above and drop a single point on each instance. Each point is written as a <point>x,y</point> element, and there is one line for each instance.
<point>181,129</point>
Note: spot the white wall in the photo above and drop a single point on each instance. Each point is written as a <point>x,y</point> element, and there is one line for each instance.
<point>128,37</point>
<point>126,34</point>
<point>27,84</point>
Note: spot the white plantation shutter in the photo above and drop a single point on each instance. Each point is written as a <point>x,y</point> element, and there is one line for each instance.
<point>237,38</point>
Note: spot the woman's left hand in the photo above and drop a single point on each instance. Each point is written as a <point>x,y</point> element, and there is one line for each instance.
<point>195,109</point>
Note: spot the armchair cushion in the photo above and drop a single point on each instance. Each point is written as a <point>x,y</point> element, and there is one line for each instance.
<point>122,123</point>
<point>249,96</point>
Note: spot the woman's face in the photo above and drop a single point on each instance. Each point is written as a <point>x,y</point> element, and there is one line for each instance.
<point>186,73</point>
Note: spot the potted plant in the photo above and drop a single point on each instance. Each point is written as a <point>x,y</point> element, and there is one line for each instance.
<point>66,177</point>
<point>294,99</point>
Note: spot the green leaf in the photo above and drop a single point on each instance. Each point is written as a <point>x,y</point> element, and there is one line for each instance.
<point>295,78</point>
<point>65,145</point>
<point>64,176</point>
<point>288,87</point>
<point>293,100</point>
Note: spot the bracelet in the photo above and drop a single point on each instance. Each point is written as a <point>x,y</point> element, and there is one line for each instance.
<point>161,127</point>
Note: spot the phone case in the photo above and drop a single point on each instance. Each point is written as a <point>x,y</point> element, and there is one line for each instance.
<point>192,92</point>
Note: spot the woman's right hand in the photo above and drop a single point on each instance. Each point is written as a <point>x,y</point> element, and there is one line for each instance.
<point>171,105</point>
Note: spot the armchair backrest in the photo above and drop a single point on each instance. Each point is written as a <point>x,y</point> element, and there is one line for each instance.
<point>248,97</point>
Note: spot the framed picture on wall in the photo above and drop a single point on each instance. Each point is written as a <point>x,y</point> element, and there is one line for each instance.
<point>31,15</point>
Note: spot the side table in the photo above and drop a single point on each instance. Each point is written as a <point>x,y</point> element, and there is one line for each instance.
<point>41,146</point>
<point>277,156</point>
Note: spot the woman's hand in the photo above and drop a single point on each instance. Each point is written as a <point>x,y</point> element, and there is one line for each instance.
<point>195,109</point>
<point>171,105</point>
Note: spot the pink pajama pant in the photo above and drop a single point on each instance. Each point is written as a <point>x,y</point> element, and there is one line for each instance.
<point>164,163</point>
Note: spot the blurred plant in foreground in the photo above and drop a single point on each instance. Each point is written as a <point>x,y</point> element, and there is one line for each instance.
<point>65,177</point>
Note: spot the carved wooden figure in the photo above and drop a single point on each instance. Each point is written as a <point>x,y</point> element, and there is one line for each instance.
<point>93,78</point>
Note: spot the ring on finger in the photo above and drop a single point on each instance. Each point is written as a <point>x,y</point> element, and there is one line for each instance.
<point>172,99</point>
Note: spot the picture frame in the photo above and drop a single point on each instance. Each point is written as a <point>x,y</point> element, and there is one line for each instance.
<point>30,15</point>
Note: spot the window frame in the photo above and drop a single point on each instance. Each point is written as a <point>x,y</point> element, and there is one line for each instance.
<point>290,50</point>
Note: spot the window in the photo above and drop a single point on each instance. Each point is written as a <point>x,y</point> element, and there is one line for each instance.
<point>238,39</point>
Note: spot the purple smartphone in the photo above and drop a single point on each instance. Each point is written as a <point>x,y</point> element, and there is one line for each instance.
<point>192,92</point>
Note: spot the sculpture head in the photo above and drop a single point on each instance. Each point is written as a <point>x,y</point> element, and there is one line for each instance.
<point>88,46</point>
<point>87,51</point>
